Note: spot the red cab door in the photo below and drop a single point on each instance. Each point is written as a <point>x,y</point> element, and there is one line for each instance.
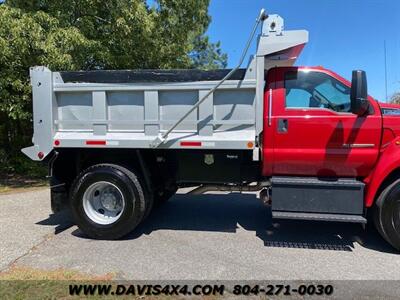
<point>310,129</point>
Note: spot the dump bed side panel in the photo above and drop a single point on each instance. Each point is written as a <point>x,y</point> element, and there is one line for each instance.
<point>135,114</point>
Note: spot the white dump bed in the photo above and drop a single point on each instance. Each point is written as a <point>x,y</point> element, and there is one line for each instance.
<point>130,109</point>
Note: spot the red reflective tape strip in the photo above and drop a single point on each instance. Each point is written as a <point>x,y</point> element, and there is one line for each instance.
<point>96,143</point>
<point>191,144</point>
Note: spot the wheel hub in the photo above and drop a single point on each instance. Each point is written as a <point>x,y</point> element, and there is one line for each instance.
<point>110,200</point>
<point>103,203</point>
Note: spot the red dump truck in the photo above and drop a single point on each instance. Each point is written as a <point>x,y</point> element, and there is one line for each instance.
<point>314,145</point>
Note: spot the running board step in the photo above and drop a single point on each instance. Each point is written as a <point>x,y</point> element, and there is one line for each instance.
<point>319,217</point>
<point>332,196</point>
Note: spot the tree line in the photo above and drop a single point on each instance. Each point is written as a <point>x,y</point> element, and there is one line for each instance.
<point>395,98</point>
<point>91,35</point>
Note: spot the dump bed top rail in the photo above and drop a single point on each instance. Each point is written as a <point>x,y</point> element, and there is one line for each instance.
<point>149,76</point>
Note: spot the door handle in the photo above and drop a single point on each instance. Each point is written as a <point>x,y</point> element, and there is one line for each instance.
<point>360,146</point>
<point>283,125</point>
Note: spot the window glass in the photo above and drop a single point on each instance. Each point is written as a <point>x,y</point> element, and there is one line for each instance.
<point>297,98</point>
<point>305,89</point>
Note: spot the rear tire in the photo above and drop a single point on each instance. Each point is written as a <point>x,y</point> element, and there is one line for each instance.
<point>149,203</point>
<point>107,201</point>
<point>387,214</point>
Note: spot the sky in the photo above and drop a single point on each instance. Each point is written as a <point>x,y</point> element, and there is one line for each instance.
<point>344,34</point>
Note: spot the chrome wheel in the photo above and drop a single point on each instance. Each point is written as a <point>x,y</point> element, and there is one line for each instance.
<point>103,203</point>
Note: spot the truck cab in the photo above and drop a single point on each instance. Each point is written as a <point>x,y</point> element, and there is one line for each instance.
<point>327,154</point>
<point>311,129</point>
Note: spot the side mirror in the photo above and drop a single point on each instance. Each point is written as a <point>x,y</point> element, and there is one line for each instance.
<point>359,93</point>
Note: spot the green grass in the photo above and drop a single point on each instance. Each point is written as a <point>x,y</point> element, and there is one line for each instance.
<point>27,283</point>
<point>11,183</point>
<point>18,173</point>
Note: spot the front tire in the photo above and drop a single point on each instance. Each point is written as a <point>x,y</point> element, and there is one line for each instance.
<point>107,201</point>
<point>387,214</point>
